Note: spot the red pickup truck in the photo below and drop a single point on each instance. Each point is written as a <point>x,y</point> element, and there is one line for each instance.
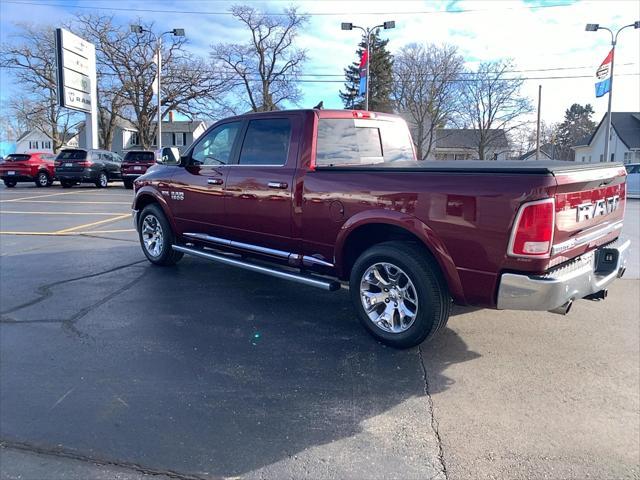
<point>327,198</point>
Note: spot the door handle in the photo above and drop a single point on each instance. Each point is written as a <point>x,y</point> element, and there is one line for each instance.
<point>277,185</point>
<point>215,181</point>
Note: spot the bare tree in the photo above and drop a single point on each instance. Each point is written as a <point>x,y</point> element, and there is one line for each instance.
<point>491,103</point>
<point>127,71</point>
<point>426,89</point>
<point>265,69</point>
<point>31,59</point>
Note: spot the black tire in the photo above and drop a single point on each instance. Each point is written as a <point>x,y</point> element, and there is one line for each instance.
<point>166,255</point>
<point>128,184</point>
<point>10,183</point>
<point>433,300</point>
<point>42,180</point>
<point>67,183</point>
<point>102,181</point>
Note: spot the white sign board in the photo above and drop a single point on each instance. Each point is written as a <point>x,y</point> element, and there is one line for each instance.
<point>76,78</point>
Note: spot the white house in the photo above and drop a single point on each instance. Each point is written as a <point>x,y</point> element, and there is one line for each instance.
<point>37,141</point>
<point>624,145</point>
<point>462,144</point>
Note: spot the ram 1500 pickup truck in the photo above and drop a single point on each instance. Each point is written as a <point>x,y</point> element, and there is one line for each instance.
<point>330,198</point>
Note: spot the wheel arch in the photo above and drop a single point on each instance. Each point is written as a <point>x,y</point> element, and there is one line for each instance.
<point>145,197</point>
<point>359,234</point>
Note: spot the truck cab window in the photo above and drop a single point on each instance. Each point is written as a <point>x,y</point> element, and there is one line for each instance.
<point>216,146</point>
<point>266,142</point>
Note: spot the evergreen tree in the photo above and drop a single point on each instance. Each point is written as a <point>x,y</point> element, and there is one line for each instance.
<point>577,124</point>
<point>380,77</point>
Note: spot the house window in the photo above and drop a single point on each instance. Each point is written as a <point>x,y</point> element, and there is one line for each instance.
<point>627,157</point>
<point>46,144</point>
<point>134,139</point>
<point>33,144</point>
<point>154,141</point>
<point>601,157</point>
<point>612,157</point>
<point>179,139</point>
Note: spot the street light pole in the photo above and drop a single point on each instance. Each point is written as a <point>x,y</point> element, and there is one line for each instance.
<point>176,32</point>
<point>593,27</point>
<point>368,31</point>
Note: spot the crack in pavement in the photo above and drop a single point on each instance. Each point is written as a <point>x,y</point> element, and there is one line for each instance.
<point>44,291</point>
<point>434,422</point>
<point>60,452</point>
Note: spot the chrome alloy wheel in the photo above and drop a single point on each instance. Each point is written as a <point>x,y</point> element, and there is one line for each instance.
<point>43,180</point>
<point>152,235</point>
<point>103,179</point>
<point>388,297</point>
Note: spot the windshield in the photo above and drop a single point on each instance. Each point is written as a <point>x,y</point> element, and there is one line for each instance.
<point>17,157</point>
<point>139,157</point>
<point>72,155</point>
<point>345,141</point>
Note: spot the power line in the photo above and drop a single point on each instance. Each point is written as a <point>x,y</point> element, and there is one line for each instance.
<point>303,80</point>
<point>204,12</point>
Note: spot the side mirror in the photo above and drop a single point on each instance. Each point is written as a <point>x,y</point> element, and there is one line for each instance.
<point>169,156</point>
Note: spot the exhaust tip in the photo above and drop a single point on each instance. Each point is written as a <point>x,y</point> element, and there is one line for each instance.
<point>563,309</point>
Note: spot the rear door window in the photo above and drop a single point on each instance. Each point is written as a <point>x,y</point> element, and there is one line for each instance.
<point>345,141</point>
<point>266,142</point>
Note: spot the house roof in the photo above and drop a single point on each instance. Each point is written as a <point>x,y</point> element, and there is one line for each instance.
<point>626,126</point>
<point>546,149</point>
<point>180,125</point>
<point>468,138</point>
<point>67,137</point>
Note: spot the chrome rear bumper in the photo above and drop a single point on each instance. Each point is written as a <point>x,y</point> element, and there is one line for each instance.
<point>584,276</point>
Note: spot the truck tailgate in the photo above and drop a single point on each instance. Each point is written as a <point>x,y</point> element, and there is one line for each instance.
<point>589,210</point>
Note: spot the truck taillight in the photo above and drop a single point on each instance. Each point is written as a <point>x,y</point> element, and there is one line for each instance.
<point>532,234</point>
<point>84,164</point>
<point>57,163</point>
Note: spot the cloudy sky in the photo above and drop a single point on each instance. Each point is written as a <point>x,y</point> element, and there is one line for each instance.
<point>545,38</point>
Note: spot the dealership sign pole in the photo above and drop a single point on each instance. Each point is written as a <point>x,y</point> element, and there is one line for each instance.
<point>76,79</point>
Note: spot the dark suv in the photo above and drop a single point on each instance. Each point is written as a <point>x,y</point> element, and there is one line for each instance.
<point>135,163</point>
<point>78,165</point>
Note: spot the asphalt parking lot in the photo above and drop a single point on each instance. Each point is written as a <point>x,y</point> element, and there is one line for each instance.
<point>113,368</point>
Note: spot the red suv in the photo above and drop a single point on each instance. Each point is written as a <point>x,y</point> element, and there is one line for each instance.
<point>135,163</point>
<point>28,167</point>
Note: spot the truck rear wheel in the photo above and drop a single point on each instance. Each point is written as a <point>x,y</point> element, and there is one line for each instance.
<point>156,237</point>
<point>400,294</point>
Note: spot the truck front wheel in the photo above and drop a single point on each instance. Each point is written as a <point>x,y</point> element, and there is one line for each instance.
<point>156,237</point>
<point>399,293</point>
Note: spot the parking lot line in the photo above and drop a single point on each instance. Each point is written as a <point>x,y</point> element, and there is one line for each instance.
<point>123,230</point>
<point>92,224</point>
<point>20,212</point>
<point>38,196</point>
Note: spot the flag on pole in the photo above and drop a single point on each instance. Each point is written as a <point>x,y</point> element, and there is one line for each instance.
<point>603,76</point>
<point>363,73</point>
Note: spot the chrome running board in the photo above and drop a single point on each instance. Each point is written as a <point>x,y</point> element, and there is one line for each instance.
<point>329,285</point>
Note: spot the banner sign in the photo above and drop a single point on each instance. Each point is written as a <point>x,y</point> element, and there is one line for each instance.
<point>363,73</point>
<point>603,76</point>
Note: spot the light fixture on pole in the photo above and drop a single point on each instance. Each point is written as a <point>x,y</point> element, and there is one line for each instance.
<point>367,32</point>
<point>594,27</point>
<point>176,32</point>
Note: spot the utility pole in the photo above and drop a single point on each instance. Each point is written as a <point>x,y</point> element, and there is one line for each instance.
<point>538,129</point>
<point>594,27</point>
<point>367,32</point>
<point>176,32</point>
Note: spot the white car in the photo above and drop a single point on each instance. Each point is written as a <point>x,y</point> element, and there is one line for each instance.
<point>633,180</point>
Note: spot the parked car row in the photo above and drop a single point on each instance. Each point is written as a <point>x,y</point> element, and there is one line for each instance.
<point>75,165</point>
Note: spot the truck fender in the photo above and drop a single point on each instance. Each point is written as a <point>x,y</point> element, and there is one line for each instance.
<point>413,225</point>
<point>147,193</point>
